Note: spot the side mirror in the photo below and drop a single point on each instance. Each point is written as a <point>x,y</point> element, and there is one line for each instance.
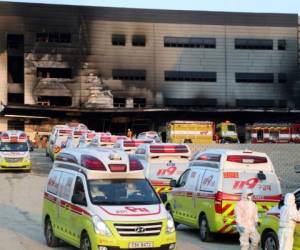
<point>163,197</point>
<point>173,183</point>
<point>297,169</point>
<point>78,199</point>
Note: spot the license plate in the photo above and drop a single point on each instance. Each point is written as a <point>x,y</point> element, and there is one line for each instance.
<point>140,245</point>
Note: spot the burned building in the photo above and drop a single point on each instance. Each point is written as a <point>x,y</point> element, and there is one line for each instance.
<point>111,66</point>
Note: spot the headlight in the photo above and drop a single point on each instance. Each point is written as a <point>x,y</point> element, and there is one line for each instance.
<point>170,224</point>
<point>100,226</point>
<point>26,158</point>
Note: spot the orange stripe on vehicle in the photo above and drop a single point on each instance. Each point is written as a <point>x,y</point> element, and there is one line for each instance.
<point>223,229</point>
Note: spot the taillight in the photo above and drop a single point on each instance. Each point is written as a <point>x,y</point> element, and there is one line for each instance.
<point>248,159</point>
<point>117,167</point>
<point>135,164</point>
<point>218,202</point>
<point>66,157</point>
<point>4,137</point>
<point>22,137</point>
<point>92,163</point>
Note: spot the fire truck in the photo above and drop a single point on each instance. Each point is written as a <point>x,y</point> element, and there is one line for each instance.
<point>273,133</point>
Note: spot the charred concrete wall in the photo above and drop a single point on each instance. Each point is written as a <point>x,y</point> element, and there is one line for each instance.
<point>91,52</point>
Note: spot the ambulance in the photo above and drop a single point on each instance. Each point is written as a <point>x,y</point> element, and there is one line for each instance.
<point>129,146</point>
<point>52,137</point>
<point>86,139</point>
<point>59,141</point>
<point>99,199</point>
<point>106,140</point>
<point>14,151</point>
<point>205,195</point>
<point>152,135</point>
<point>270,225</point>
<point>227,132</point>
<point>163,162</point>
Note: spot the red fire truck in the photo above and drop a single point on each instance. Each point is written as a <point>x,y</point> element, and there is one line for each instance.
<point>273,133</point>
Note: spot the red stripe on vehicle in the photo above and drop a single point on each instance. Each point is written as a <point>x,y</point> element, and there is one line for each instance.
<point>223,229</point>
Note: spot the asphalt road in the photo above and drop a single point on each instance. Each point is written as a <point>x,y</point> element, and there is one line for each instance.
<point>21,198</point>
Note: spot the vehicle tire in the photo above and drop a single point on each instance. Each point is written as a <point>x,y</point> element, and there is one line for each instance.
<point>205,234</point>
<point>51,239</point>
<point>270,241</point>
<point>85,243</point>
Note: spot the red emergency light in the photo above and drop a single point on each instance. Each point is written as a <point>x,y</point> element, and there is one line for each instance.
<point>117,167</point>
<point>247,159</point>
<point>160,149</point>
<point>92,163</point>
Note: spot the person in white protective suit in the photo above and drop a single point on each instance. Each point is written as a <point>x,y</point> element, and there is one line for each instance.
<point>289,215</point>
<point>246,216</point>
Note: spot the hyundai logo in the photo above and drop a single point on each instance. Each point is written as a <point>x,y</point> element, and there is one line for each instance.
<point>140,230</point>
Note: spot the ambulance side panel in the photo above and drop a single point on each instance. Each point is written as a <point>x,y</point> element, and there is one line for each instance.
<point>205,197</point>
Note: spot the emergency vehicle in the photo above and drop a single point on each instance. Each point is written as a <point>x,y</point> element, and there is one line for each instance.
<point>205,195</point>
<point>74,139</point>
<point>129,146</point>
<point>151,135</point>
<point>86,139</point>
<point>52,137</point>
<point>197,132</point>
<point>106,140</point>
<point>270,225</point>
<point>163,162</point>
<point>99,199</point>
<point>59,141</point>
<point>227,132</point>
<point>77,126</point>
<point>14,151</point>
<point>273,133</point>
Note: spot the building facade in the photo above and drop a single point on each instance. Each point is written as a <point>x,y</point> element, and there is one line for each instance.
<point>74,59</point>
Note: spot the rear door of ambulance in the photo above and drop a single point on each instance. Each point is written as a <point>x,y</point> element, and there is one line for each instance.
<point>166,162</point>
<point>247,170</point>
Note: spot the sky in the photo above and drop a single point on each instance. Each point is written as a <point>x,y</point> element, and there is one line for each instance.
<point>265,6</point>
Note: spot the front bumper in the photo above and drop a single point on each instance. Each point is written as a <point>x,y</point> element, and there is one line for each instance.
<point>15,166</point>
<point>163,241</point>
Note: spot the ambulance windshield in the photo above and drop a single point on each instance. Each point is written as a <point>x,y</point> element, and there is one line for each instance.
<point>122,192</point>
<point>15,147</point>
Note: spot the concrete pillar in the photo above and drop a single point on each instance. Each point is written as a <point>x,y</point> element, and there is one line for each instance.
<point>3,124</point>
<point>3,68</point>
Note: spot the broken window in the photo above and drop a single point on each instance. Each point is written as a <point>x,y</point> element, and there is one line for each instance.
<point>139,102</point>
<point>54,73</point>
<point>15,58</point>
<point>15,125</point>
<point>138,40</point>
<point>118,40</point>
<point>53,37</point>
<point>129,74</point>
<point>55,100</point>
<point>15,98</point>
<point>119,102</point>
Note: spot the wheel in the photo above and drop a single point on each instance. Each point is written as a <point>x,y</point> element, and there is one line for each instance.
<point>205,234</point>
<point>270,241</point>
<point>85,243</point>
<point>51,240</point>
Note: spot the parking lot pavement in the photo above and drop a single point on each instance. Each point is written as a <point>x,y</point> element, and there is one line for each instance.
<point>21,197</point>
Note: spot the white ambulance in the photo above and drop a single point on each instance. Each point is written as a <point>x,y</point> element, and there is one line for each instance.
<point>99,199</point>
<point>86,139</point>
<point>129,146</point>
<point>59,142</point>
<point>14,151</point>
<point>163,162</point>
<point>152,135</point>
<point>206,193</point>
<point>105,140</point>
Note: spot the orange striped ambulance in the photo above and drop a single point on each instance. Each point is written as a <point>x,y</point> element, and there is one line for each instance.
<point>205,195</point>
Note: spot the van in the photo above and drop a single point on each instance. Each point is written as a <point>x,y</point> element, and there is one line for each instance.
<point>163,162</point>
<point>99,199</point>
<point>129,146</point>
<point>14,151</point>
<point>205,195</point>
<point>59,141</point>
<point>106,140</point>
